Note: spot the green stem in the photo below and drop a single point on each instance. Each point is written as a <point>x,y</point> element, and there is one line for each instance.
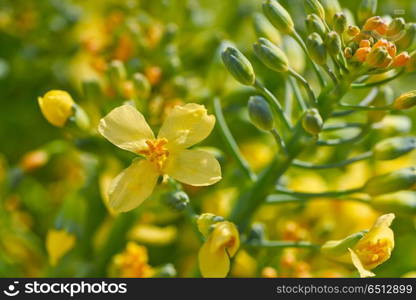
<point>305,83</point>
<point>279,141</point>
<point>338,126</point>
<point>274,103</point>
<point>307,165</point>
<point>328,194</point>
<point>301,43</point>
<point>330,73</point>
<point>282,244</point>
<point>230,141</point>
<point>301,102</point>
<point>365,108</point>
<point>337,142</point>
<point>274,199</point>
<point>377,83</point>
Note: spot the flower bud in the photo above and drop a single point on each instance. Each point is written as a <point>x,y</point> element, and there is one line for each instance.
<point>142,85</point>
<point>366,10</point>
<point>390,47</point>
<point>271,55</point>
<point>117,72</point>
<point>333,43</point>
<point>260,113</point>
<point>317,48</point>
<point>396,27</point>
<point>394,147</point>
<point>338,250</point>
<point>278,16</point>
<point>378,58</point>
<point>238,65</point>
<point>312,121</point>
<point>315,24</point>
<point>57,107</point>
<point>376,24</point>
<point>205,222</point>
<point>331,7</point>
<point>361,54</point>
<point>401,60</point>
<point>403,202</point>
<point>365,44</point>
<point>391,182</point>
<point>348,53</point>
<point>264,29</point>
<point>177,200</point>
<point>408,38</point>
<point>340,23</point>
<point>315,7</point>
<point>405,101</point>
<point>353,31</point>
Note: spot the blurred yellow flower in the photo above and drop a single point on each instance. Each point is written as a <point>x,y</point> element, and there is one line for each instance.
<point>244,265</point>
<point>154,235</point>
<point>222,244</point>
<point>185,126</point>
<point>132,262</point>
<point>56,107</point>
<point>58,243</point>
<point>374,247</point>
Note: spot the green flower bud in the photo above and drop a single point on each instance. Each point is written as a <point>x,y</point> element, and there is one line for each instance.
<point>408,38</point>
<point>315,7</point>
<point>405,101</point>
<point>366,10</point>
<point>317,48</point>
<point>312,121</point>
<point>278,16</point>
<point>338,250</point>
<point>238,65</point>
<point>396,27</point>
<point>260,113</point>
<point>117,72</point>
<point>264,29</point>
<point>142,85</point>
<point>331,8</point>
<point>340,22</point>
<point>177,200</point>
<point>205,222</point>
<point>391,182</point>
<point>271,55</point>
<point>333,43</point>
<point>378,58</point>
<point>166,271</point>
<point>394,147</point>
<point>315,24</point>
<point>403,202</point>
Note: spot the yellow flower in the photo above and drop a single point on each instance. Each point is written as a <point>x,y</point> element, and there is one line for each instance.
<point>56,107</point>
<point>374,247</point>
<point>167,154</point>
<point>214,255</point>
<point>132,262</point>
<point>58,243</point>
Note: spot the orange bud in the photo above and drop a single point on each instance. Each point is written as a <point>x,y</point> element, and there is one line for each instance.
<point>348,52</point>
<point>373,23</point>
<point>401,60</point>
<point>34,160</point>
<point>361,54</point>
<point>365,43</point>
<point>353,31</point>
<point>390,47</point>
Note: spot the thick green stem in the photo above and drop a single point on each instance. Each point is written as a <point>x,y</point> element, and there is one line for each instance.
<point>377,83</point>
<point>281,244</point>
<point>307,86</point>
<point>298,96</point>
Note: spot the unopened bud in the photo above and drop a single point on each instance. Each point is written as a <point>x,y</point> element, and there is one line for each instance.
<point>403,202</point>
<point>361,54</point>
<point>405,101</point>
<point>177,200</point>
<point>333,43</point>
<point>411,64</point>
<point>365,44</point>
<point>117,72</point>
<point>265,29</point>
<point>317,48</point>
<point>331,7</point>
<point>312,121</point>
<point>57,107</point>
<point>271,55</point>
<point>348,53</point>
<point>278,16</point>
<point>315,7</point>
<point>401,60</point>
<point>402,179</point>
<point>337,250</point>
<point>142,85</point>
<point>353,31</point>
<point>378,58</point>
<point>408,38</point>
<point>260,113</point>
<point>340,23</point>
<point>366,10</point>
<point>394,147</point>
<point>315,24</point>
<point>205,221</point>
<point>238,65</point>
<point>377,24</point>
<point>396,27</point>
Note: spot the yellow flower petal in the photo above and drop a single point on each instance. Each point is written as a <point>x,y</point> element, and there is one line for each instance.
<point>126,128</point>
<point>213,264</point>
<point>56,107</point>
<point>58,243</point>
<point>132,186</point>
<point>186,125</point>
<point>358,264</point>
<point>225,235</point>
<point>193,167</point>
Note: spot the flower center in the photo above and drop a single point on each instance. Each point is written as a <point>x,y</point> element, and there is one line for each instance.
<point>156,152</point>
<point>374,252</point>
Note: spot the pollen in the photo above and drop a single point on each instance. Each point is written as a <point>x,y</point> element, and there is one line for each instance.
<point>374,252</point>
<point>156,152</point>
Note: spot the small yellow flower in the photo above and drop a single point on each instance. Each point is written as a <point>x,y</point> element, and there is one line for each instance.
<point>374,247</point>
<point>167,154</point>
<point>214,255</point>
<point>58,243</point>
<point>56,107</point>
<point>132,262</point>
